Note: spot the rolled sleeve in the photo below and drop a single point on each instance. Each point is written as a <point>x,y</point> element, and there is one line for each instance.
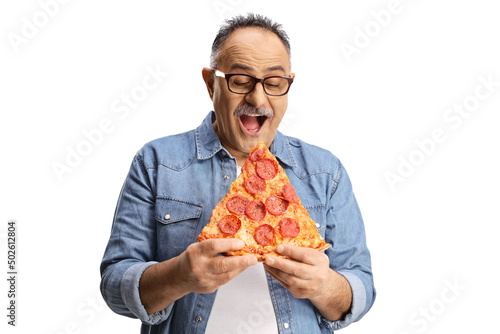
<point>129,289</point>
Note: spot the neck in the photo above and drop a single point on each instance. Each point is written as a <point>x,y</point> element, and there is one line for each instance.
<point>241,157</point>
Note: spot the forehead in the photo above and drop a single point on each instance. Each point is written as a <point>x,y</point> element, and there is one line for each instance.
<point>256,50</point>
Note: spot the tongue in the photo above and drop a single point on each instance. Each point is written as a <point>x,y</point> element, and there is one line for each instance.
<point>249,122</point>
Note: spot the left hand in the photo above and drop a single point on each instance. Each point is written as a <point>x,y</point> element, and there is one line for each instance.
<point>305,273</point>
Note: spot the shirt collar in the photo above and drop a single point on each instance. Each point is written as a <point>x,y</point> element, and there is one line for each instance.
<point>208,144</point>
<point>280,148</point>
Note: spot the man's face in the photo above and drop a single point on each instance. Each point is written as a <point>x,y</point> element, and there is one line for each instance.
<point>259,53</point>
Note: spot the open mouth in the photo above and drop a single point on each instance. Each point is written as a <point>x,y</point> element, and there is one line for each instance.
<point>252,123</point>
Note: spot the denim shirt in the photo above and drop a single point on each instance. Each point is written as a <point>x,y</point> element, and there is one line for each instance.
<point>167,198</point>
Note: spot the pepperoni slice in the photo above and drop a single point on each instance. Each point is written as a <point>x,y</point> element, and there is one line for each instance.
<point>266,168</point>
<point>256,210</point>
<point>289,193</point>
<point>237,205</point>
<point>254,184</point>
<point>264,234</point>
<point>289,227</point>
<point>276,205</point>
<point>256,155</point>
<point>230,224</point>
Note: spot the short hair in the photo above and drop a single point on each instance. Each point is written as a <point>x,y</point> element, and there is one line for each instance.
<point>238,22</point>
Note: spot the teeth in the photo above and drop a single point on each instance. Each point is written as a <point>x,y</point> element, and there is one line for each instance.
<point>253,115</point>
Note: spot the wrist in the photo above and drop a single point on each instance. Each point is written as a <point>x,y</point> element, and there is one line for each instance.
<point>176,279</point>
<point>334,299</point>
<point>161,285</point>
<point>325,289</point>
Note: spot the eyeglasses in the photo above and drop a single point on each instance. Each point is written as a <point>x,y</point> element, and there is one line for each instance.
<point>243,83</point>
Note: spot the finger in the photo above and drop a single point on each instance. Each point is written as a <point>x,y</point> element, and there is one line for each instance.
<point>301,254</point>
<point>288,281</point>
<point>272,272</point>
<point>227,268</point>
<point>299,288</point>
<point>213,247</point>
<point>229,264</point>
<point>289,267</point>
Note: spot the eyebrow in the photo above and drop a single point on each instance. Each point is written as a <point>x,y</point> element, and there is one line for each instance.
<point>276,68</point>
<point>238,66</point>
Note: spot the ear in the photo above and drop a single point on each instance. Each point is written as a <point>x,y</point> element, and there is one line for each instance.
<point>209,78</point>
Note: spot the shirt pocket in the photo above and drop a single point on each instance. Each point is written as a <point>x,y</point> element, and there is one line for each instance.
<point>177,220</point>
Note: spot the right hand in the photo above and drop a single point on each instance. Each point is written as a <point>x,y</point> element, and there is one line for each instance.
<point>204,272</point>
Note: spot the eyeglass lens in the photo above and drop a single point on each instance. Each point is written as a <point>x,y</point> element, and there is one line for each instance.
<point>243,84</point>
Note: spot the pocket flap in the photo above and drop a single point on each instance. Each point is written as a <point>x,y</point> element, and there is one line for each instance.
<point>170,210</point>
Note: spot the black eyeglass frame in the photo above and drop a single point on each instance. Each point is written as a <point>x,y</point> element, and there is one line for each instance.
<point>256,80</point>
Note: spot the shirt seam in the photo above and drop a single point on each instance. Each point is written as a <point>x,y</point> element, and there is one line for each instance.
<point>163,197</point>
<point>171,167</point>
<point>140,161</point>
<point>336,178</point>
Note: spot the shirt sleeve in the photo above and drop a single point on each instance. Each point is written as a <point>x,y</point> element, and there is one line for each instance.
<point>132,247</point>
<point>349,255</point>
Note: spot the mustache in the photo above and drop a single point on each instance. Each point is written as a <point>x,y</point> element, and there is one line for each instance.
<point>247,109</point>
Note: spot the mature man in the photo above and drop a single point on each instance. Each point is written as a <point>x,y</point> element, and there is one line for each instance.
<point>154,269</point>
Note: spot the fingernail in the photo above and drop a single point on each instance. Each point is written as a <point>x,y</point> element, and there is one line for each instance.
<point>280,249</point>
<point>269,261</point>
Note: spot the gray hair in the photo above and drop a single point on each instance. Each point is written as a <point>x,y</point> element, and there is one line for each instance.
<point>238,22</point>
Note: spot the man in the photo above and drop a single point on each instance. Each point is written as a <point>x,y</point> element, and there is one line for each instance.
<point>154,269</point>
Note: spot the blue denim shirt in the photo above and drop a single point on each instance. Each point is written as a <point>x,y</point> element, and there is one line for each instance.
<point>167,198</point>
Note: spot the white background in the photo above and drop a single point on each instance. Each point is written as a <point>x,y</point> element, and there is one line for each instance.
<point>437,227</point>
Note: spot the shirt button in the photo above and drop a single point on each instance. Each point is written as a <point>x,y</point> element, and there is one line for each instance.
<point>198,319</point>
<point>286,325</point>
<point>317,225</point>
<point>167,216</point>
<point>226,177</point>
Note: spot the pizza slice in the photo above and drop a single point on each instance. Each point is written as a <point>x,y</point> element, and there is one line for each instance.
<point>262,209</point>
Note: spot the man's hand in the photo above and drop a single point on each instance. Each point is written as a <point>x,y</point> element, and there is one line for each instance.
<point>306,274</point>
<point>204,272</point>
<point>197,269</point>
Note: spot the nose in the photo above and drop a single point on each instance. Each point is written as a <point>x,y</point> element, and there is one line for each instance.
<point>257,97</point>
